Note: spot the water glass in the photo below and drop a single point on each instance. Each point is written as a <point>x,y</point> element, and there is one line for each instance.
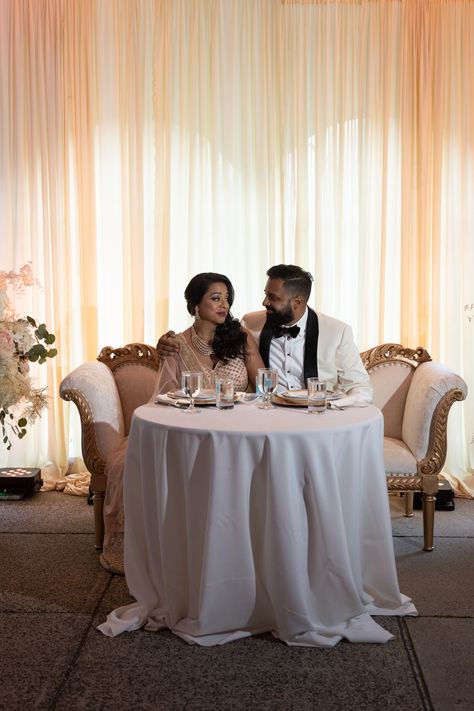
<point>224,393</point>
<point>316,395</point>
<point>267,382</point>
<point>191,383</point>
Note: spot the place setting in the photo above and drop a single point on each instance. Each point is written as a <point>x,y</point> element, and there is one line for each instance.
<point>192,396</point>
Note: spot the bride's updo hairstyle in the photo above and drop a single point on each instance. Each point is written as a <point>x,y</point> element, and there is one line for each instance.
<point>229,340</point>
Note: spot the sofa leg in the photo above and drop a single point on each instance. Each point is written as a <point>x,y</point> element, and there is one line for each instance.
<point>428,503</point>
<point>98,501</point>
<point>409,503</point>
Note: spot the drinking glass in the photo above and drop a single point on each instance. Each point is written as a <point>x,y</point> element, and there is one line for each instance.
<point>191,383</point>
<point>224,393</point>
<point>267,382</point>
<point>316,395</point>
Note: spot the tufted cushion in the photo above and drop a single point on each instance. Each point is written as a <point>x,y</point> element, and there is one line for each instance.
<point>398,458</point>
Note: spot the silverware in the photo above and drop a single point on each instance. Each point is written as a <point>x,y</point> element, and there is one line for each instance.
<point>250,397</point>
<point>336,407</point>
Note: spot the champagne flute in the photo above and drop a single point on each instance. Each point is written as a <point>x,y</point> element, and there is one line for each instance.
<point>191,383</point>
<point>267,381</point>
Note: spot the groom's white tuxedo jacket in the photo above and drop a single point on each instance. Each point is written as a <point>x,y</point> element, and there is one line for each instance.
<point>330,352</point>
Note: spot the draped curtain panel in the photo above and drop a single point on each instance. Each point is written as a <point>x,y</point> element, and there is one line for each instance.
<point>142,141</point>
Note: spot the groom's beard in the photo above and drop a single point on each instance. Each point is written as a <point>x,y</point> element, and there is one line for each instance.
<point>279,318</point>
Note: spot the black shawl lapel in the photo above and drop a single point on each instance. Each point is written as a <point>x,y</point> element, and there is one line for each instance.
<point>310,365</point>
<point>264,343</point>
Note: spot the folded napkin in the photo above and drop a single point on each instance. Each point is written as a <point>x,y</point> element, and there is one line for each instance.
<point>349,401</point>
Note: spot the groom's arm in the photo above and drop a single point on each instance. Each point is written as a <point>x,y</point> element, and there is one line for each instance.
<point>254,322</point>
<point>167,345</point>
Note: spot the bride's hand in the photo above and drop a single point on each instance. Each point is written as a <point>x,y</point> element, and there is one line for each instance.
<point>167,345</point>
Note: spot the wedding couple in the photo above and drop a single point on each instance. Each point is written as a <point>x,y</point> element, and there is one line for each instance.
<point>292,338</point>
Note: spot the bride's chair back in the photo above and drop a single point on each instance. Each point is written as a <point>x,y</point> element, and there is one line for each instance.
<point>106,392</point>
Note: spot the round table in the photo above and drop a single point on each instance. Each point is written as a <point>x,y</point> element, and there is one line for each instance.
<point>243,521</point>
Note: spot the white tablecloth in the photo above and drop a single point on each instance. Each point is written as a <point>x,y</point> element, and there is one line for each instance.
<point>245,521</point>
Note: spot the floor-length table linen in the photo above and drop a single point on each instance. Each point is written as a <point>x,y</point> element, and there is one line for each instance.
<point>245,521</point>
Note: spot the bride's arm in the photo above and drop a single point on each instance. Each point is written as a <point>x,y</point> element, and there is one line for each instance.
<point>253,360</point>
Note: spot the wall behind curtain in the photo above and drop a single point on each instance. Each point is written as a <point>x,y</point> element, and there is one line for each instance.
<point>142,142</point>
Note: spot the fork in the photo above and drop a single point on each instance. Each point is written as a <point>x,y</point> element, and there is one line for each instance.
<point>336,407</point>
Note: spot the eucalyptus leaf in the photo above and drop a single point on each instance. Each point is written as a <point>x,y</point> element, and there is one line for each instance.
<point>39,352</point>
<point>41,331</point>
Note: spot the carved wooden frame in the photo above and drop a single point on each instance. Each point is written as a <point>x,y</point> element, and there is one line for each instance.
<point>131,353</point>
<point>393,352</point>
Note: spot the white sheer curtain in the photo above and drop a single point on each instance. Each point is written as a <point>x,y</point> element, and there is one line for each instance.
<point>142,142</point>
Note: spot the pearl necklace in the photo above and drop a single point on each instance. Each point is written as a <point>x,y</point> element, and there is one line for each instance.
<point>199,343</point>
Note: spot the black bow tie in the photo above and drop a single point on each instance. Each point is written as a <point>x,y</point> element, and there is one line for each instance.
<point>281,331</point>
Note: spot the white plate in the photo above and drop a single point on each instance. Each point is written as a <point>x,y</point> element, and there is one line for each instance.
<point>303,394</point>
<point>203,395</point>
<point>176,397</point>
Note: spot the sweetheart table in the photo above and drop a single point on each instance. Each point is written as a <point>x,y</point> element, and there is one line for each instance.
<point>244,521</point>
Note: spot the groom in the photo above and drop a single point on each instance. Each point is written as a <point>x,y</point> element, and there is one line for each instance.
<point>300,343</point>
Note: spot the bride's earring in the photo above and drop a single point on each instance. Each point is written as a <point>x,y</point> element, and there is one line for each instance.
<point>196,313</point>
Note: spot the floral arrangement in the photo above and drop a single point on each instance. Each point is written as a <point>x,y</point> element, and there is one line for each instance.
<point>22,341</point>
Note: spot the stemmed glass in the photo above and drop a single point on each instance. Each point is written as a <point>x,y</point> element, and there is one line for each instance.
<point>267,382</point>
<point>191,384</point>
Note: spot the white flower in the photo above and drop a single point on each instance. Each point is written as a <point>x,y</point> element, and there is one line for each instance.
<point>21,341</point>
<point>22,336</point>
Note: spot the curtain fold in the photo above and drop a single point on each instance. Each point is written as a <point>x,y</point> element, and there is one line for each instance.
<point>142,142</point>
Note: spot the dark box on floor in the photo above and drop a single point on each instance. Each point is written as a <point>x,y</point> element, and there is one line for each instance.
<point>444,497</point>
<point>18,482</point>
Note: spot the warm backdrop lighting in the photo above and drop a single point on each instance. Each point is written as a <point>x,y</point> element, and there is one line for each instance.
<point>142,142</point>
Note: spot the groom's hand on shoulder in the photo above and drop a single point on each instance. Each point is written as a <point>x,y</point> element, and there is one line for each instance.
<point>167,345</point>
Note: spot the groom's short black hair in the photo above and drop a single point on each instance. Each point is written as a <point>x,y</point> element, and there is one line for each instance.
<point>296,281</point>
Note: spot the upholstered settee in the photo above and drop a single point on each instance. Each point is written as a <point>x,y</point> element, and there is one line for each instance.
<point>414,393</point>
<point>106,392</point>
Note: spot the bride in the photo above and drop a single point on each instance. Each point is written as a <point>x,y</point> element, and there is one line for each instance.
<point>215,344</point>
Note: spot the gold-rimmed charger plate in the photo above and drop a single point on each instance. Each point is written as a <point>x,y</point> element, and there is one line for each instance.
<point>207,397</point>
<point>297,400</point>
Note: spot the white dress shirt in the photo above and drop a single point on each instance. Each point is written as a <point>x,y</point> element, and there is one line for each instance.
<point>339,361</point>
<point>287,357</point>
